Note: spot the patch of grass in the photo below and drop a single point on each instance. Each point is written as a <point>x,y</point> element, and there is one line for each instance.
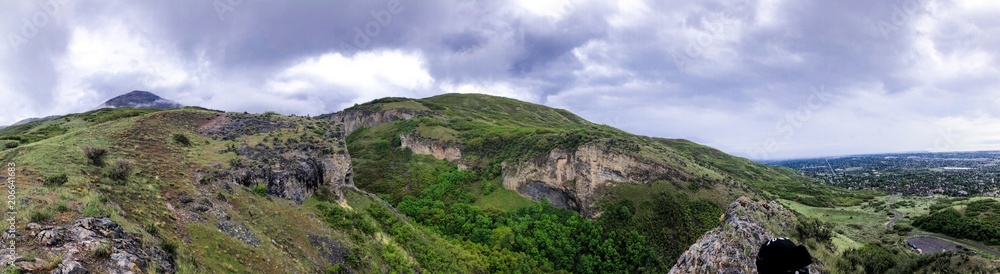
<point>57,180</point>
<point>61,206</point>
<point>96,206</point>
<point>113,114</point>
<point>39,215</point>
<point>260,190</point>
<point>102,250</point>
<point>404,104</point>
<point>32,132</point>
<point>503,199</point>
<point>52,262</point>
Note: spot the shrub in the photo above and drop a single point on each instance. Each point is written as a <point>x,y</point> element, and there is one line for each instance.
<point>182,139</point>
<point>57,180</point>
<point>11,144</point>
<point>102,250</point>
<point>95,155</point>
<point>871,258</point>
<point>152,229</point>
<point>335,268</point>
<point>815,229</point>
<point>39,215</point>
<point>120,169</point>
<point>61,206</point>
<point>169,246</point>
<point>260,190</point>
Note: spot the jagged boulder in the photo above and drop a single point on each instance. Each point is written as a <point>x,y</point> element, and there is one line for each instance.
<point>92,245</point>
<point>732,248</point>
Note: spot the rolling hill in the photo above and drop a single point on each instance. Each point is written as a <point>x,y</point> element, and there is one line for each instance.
<point>451,183</point>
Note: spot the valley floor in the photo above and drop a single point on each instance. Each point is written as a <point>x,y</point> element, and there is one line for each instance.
<point>873,222</point>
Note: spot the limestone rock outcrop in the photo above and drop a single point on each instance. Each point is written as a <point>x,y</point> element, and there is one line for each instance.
<point>732,248</point>
<point>570,179</point>
<point>438,149</point>
<point>354,119</point>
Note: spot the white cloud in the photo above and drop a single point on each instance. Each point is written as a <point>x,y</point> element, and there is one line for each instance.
<point>495,88</point>
<point>553,9</point>
<point>769,13</point>
<point>366,76</point>
<point>630,13</point>
<point>114,50</point>
<point>746,64</point>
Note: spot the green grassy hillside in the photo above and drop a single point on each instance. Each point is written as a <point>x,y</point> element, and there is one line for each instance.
<point>168,197</point>
<point>216,192</point>
<point>668,214</point>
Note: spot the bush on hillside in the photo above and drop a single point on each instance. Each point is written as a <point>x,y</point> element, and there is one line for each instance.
<point>102,250</point>
<point>57,180</point>
<point>120,169</point>
<point>813,228</point>
<point>11,144</point>
<point>95,155</point>
<point>871,258</point>
<point>182,139</point>
<point>260,190</point>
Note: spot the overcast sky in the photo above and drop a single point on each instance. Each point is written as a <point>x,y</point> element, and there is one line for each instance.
<point>764,79</point>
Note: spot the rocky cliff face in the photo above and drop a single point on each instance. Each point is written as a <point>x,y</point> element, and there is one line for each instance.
<point>732,248</point>
<point>353,119</point>
<point>440,150</point>
<point>293,169</point>
<point>95,245</point>
<point>569,179</point>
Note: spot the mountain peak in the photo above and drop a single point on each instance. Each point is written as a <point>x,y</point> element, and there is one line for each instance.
<point>140,99</point>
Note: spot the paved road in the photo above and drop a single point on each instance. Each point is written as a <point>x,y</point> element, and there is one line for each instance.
<point>896,214</point>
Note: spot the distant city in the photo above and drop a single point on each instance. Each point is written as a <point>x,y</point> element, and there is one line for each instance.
<point>917,174</point>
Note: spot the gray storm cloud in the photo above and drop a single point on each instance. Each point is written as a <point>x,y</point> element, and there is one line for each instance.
<point>741,75</point>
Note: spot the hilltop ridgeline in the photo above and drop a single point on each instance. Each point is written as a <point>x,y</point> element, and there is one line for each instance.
<point>451,183</point>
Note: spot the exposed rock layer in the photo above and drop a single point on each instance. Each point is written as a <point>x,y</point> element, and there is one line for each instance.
<point>354,119</point>
<point>94,245</point>
<point>569,179</point>
<point>440,150</point>
<point>732,248</point>
<point>290,169</point>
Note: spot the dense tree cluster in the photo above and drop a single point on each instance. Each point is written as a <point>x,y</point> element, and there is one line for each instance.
<point>980,222</point>
<point>870,259</point>
<point>554,239</point>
